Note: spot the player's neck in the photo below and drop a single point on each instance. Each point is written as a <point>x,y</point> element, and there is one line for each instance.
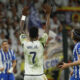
<point>5,50</point>
<point>33,39</point>
<point>75,42</point>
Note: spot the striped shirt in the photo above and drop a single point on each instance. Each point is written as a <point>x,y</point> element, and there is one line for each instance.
<point>6,59</point>
<point>76,53</point>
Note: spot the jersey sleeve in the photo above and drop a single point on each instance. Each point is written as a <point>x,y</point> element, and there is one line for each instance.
<point>44,39</point>
<point>1,65</point>
<point>13,56</point>
<point>23,38</point>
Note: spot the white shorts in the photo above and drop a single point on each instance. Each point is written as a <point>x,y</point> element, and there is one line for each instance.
<point>41,77</point>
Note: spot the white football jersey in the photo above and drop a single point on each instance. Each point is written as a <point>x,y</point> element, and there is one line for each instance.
<point>33,53</point>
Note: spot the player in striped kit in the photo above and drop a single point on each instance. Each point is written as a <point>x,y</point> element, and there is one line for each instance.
<point>7,62</point>
<point>76,56</point>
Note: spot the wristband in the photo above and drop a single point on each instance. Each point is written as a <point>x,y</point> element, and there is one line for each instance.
<point>23,17</point>
<point>10,70</point>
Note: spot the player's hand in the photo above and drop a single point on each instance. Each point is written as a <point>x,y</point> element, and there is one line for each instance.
<point>25,10</point>
<point>71,73</point>
<point>46,8</point>
<point>59,64</point>
<point>2,69</point>
<point>63,66</point>
<point>8,71</point>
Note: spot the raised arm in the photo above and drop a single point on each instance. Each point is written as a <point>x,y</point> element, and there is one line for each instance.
<point>25,12</point>
<point>66,65</point>
<point>47,10</point>
<point>13,63</point>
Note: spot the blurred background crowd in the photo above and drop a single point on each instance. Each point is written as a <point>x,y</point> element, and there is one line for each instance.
<point>10,16</point>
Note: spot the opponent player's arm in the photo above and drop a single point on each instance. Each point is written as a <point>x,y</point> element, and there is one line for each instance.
<point>66,65</point>
<point>75,63</point>
<point>13,63</point>
<point>13,66</point>
<point>1,68</point>
<point>1,65</point>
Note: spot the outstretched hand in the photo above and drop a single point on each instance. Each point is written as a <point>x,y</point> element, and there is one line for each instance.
<point>46,8</point>
<point>71,73</point>
<point>63,66</point>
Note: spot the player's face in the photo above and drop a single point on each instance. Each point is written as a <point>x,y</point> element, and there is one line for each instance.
<point>5,46</point>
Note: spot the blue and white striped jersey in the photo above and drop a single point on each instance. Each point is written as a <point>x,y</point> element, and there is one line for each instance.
<point>76,53</point>
<point>6,59</point>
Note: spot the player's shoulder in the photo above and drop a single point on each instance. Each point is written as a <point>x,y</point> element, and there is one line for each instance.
<point>45,34</point>
<point>10,50</point>
<point>22,35</point>
<point>77,45</point>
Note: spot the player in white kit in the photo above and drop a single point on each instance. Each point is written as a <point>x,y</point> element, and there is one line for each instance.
<point>33,52</point>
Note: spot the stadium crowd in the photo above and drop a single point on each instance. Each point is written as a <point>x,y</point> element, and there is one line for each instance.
<point>10,15</point>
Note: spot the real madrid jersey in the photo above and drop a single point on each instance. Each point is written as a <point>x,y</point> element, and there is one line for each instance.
<point>33,52</point>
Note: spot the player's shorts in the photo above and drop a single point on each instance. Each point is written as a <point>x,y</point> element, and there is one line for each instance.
<point>36,77</point>
<point>10,76</point>
<point>6,76</point>
<point>2,76</point>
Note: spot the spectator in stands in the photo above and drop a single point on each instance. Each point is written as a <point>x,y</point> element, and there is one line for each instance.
<point>55,24</point>
<point>75,23</point>
<point>2,37</point>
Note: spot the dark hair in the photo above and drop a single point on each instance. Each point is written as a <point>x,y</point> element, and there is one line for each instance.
<point>76,35</point>
<point>33,32</point>
<point>5,40</point>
